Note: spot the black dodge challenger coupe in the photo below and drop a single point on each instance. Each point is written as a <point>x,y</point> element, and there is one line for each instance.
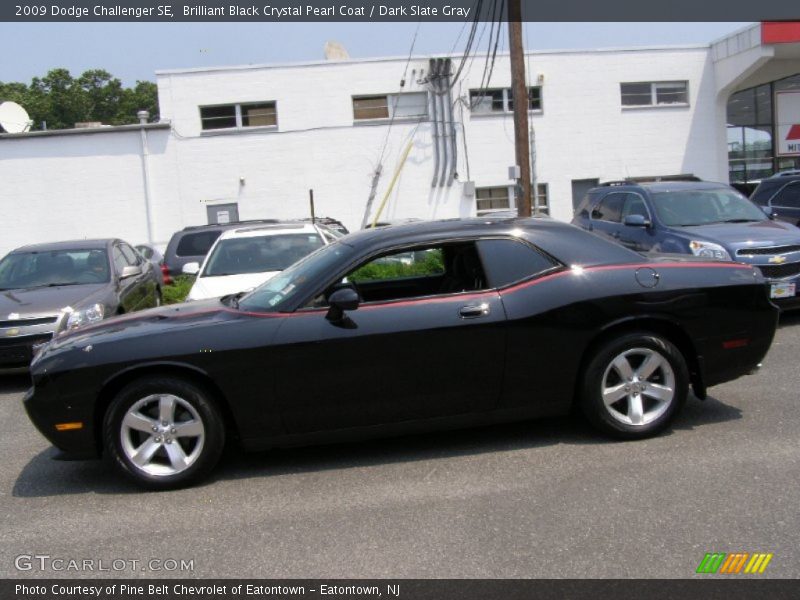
<point>407,328</point>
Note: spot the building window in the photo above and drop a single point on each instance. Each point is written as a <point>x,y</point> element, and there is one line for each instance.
<point>542,200</point>
<point>413,105</point>
<point>502,198</point>
<point>492,198</point>
<point>501,100</point>
<point>752,129</point>
<point>238,116</point>
<point>655,93</point>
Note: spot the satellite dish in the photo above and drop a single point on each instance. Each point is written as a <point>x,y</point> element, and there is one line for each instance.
<point>335,51</point>
<point>14,118</point>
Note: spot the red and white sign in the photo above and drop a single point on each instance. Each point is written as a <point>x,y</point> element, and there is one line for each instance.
<point>780,32</point>
<point>787,117</point>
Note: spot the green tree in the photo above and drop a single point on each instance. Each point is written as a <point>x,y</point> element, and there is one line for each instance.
<point>58,100</point>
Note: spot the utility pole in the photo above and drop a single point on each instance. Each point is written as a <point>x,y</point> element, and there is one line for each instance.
<point>373,189</point>
<point>519,90</point>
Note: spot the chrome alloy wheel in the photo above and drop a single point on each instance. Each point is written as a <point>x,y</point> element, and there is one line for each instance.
<point>638,386</point>
<point>162,434</point>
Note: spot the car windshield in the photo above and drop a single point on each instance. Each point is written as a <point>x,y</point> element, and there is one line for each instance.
<point>704,207</point>
<point>259,254</point>
<point>297,281</point>
<point>53,268</point>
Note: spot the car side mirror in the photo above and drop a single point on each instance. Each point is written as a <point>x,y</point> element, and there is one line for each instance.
<point>769,212</point>
<point>130,271</point>
<point>345,298</point>
<point>637,221</point>
<point>192,268</point>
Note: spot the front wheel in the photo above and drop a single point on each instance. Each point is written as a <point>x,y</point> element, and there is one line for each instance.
<point>163,432</point>
<point>635,385</point>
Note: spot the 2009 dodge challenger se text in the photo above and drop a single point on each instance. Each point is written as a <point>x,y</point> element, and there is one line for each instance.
<point>413,327</point>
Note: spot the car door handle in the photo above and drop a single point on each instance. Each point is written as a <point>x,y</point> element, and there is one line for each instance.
<point>473,311</point>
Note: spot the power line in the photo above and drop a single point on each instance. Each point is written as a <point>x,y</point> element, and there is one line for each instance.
<point>397,96</point>
<point>467,50</point>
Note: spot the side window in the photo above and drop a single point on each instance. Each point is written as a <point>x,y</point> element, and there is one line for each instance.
<point>789,196</point>
<point>586,204</point>
<point>131,256</point>
<point>509,261</point>
<point>197,244</point>
<point>401,265</point>
<point>429,270</point>
<point>635,205</point>
<point>145,251</point>
<point>610,208</point>
<point>120,262</point>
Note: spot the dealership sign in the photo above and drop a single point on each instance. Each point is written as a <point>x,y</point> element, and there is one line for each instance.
<point>787,105</point>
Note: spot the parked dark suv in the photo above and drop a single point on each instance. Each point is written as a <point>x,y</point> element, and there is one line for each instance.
<point>191,244</point>
<point>705,219</point>
<point>780,195</point>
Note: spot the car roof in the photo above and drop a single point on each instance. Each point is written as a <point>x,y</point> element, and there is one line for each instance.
<point>565,242</point>
<point>264,230</point>
<point>785,174</point>
<point>95,244</point>
<point>232,224</point>
<point>665,186</point>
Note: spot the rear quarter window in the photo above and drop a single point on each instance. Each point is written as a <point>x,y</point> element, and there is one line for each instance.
<point>763,192</point>
<point>610,208</point>
<point>789,196</point>
<point>509,261</point>
<point>197,244</point>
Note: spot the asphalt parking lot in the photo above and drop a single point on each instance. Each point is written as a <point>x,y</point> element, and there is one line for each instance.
<point>537,499</point>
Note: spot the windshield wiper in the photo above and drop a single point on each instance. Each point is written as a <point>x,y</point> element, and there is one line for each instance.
<point>740,221</point>
<point>49,285</point>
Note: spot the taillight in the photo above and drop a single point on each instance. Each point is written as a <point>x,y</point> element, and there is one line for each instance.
<point>165,275</point>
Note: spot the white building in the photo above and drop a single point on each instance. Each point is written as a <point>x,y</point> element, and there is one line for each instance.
<point>249,142</point>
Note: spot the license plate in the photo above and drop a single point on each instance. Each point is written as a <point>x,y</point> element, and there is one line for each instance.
<point>782,290</point>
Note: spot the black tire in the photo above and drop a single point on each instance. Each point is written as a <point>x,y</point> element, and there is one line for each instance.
<point>627,417</point>
<point>159,298</point>
<point>193,411</point>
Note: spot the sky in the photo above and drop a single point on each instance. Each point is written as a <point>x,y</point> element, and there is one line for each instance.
<point>134,51</point>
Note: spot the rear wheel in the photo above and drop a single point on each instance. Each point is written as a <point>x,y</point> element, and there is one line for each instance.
<point>163,432</point>
<point>635,385</point>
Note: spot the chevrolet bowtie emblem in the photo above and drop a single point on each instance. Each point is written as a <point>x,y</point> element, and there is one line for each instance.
<point>777,260</point>
<point>12,332</point>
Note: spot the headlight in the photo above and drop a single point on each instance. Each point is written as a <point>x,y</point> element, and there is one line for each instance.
<point>709,250</point>
<point>84,316</point>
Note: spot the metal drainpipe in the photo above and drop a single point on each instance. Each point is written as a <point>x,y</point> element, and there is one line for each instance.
<point>143,117</point>
<point>434,122</point>
<point>443,120</point>
<point>452,123</point>
<point>534,183</point>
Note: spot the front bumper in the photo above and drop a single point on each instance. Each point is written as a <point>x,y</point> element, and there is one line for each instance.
<point>47,410</point>
<point>17,352</point>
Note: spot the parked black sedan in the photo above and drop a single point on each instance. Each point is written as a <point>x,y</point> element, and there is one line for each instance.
<point>65,285</point>
<point>422,326</point>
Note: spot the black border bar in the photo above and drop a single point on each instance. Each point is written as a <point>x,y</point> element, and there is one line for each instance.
<point>711,588</point>
<point>390,10</point>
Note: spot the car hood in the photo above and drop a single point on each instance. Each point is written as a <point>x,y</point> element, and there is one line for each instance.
<point>214,287</point>
<point>736,235</point>
<point>162,319</point>
<point>48,301</point>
